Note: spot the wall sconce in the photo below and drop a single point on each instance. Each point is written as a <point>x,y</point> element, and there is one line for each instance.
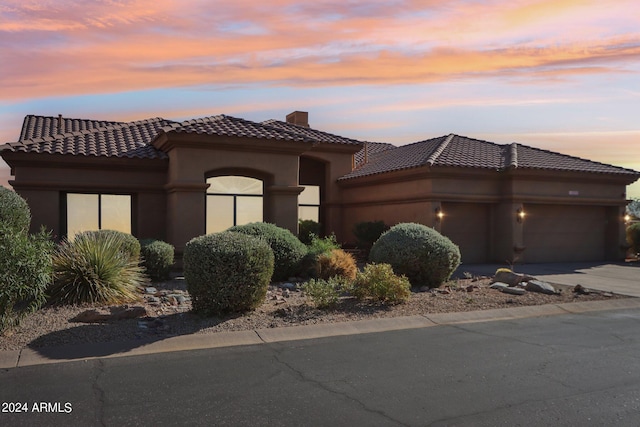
<point>627,218</point>
<point>520,214</point>
<point>439,214</point>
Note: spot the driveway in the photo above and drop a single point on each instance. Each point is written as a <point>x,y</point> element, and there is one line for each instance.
<point>620,278</point>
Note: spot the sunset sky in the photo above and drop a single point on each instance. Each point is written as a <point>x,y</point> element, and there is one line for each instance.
<point>562,75</point>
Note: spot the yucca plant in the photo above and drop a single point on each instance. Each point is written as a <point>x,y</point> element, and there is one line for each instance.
<point>92,268</point>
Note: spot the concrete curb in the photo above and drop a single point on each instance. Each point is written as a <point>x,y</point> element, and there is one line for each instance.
<point>30,357</point>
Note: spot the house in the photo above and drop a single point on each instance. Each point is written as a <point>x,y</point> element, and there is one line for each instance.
<point>158,178</point>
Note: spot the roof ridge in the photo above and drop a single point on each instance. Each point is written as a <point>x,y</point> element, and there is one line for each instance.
<point>436,153</point>
<point>513,155</point>
<point>273,122</point>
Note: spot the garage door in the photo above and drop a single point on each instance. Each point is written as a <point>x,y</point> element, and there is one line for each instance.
<point>467,225</point>
<point>560,233</point>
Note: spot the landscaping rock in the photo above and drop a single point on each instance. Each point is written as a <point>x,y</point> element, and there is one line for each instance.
<point>540,286</point>
<point>510,278</point>
<point>151,290</point>
<point>513,290</point>
<point>499,285</point>
<point>581,290</point>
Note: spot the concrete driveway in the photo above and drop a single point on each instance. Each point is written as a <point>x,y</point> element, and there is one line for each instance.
<point>620,278</point>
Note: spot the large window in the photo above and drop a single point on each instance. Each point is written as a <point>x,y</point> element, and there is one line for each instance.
<point>233,200</point>
<point>86,212</point>
<point>309,203</point>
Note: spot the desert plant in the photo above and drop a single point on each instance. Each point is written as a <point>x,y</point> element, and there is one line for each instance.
<point>92,268</point>
<point>129,245</point>
<point>307,228</point>
<point>227,272</point>
<point>633,237</point>
<point>287,249</point>
<point>14,211</point>
<point>25,273</point>
<point>367,232</point>
<point>336,263</point>
<point>419,252</point>
<point>318,246</point>
<point>157,258</point>
<point>324,293</point>
<point>378,281</point>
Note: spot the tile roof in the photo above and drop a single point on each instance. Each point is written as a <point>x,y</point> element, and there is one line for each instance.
<point>370,149</point>
<point>312,134</point>
<point>130,140</point>
<point>223,125</point>
<point>40,126</point>
<point>459,151</point>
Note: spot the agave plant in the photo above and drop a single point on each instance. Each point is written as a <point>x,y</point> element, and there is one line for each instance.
<point>92,268</point>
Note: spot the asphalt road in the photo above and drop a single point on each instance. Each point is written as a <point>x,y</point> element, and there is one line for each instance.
<point>570,370</point>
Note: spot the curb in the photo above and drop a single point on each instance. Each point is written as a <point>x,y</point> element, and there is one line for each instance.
<point>30,357</point>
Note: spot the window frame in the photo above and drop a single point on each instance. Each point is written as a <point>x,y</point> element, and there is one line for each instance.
<point>235,197</point>
<point>64,209</point>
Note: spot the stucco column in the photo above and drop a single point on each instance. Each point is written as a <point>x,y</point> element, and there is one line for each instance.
<point>185,212</point>
<point>282,206</point>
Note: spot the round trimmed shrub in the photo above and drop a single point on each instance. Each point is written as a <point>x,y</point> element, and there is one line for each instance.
<point>307,228</point>
<point>419,252</point>
<point>367,232</point>
<point>227,272</point>
<point>287,249</point>
<point>25,273</point>
<point>14,211</point>
<point>93,268</point>
<point>336,263</point>
<point>157,258</point>
<point>129,245</point>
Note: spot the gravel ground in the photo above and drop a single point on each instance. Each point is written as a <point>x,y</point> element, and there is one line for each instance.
<point>168,316</point>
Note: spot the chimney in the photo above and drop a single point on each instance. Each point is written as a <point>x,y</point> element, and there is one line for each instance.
<point>300,118</point>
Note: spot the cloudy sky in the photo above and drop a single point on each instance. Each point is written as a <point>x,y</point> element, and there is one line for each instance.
<point>562,75</point>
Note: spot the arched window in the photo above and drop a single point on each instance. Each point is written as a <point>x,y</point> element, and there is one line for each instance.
<point>233,200</point>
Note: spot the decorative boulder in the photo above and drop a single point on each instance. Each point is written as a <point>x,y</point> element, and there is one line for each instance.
<point>513,290</point>
<point>507,276</point>
<point>540,286</point>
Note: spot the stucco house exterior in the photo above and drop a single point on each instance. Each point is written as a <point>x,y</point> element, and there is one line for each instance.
<point>158,178</point>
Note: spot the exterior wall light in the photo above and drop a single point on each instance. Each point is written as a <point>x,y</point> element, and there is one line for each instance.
<point>439,214</point>
<point>520,214</point>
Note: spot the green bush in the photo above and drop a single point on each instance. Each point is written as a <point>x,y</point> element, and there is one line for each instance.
<point>25,273</point>
<point>317,247</point>
<point>336,263</point>
<point>14,211</point>
<point>324,293</point>
<point>367,232</point>
<point>93,268</point>
<point>287,249</point>
<point>157,258</point>
<point>419,252</point>
<point>307,228</point>
<point>633,237</point>
<point>227,272</point>
<point>129,245</point>
<point>377,281</point>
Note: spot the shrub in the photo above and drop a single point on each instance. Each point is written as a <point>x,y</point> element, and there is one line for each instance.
<point>633,237</point>
<point>129,245</point>
<point>25,273</point>
<point>336,263</point>
<point>287,249</point>
<point>92,268</point>
<point>367,232</point>
<point>324,293</point>
<point>227,272</point>
<point>14,211</point>
<point>307,228</point>
<point>378,282</point>
<point>317,247</point>
<point>157,258</point>
<point>419,252</point>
